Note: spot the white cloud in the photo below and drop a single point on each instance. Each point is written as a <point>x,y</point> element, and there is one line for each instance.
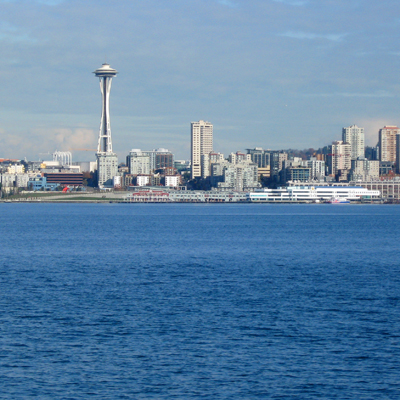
<point>47,140</point>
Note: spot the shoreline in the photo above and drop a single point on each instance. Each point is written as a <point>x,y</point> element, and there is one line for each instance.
<point>97,201</point>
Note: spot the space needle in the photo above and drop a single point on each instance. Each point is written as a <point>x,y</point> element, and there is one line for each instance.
<point>107,161</point>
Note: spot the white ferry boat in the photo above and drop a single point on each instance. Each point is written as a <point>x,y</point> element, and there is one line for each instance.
<point>312,193</point>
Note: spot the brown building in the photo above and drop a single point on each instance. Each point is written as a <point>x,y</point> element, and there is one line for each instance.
<point>387,143</point>
<point>73,179</point>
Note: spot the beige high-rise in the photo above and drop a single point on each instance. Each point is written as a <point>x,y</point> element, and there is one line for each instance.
<point>201,144</point>
<point>355,137</point>
<point>341,156</point>
<point>387,143</point>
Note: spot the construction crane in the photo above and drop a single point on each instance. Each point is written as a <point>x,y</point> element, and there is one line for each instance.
<point>82,150</point>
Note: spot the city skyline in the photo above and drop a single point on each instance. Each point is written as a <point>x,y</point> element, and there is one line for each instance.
<point>275,74</point>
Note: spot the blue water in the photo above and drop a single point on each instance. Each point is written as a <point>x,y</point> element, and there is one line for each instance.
<point>186,301</point>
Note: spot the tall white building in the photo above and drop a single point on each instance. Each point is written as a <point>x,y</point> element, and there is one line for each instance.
<point>201,144</point>
<point>355,137</point>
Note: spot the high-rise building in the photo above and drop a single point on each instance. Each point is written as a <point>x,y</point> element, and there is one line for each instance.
<point>201,144</point>
<point>387,143</point>
<point>355,137</point>
<point>341,157</point>
<point>107,161</point>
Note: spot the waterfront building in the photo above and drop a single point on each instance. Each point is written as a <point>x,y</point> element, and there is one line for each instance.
<point>389,189</point>
<point>167,195</point>
<point>355,137</point>
<point>201,144</point>
<point>363,169</point>
<point>107,160</point>
<point>313,193</point>
<point>388,143</point>
<point>39,182</point>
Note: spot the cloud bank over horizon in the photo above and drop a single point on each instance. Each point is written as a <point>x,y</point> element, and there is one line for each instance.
<point>274,74</point>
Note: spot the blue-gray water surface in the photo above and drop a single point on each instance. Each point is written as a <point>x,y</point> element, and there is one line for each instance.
<point>189,301</point>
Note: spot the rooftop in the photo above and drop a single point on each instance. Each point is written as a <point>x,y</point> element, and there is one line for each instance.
<point>105,70</point>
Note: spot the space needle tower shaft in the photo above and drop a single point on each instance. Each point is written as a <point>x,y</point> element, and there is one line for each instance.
<point>105,73</point>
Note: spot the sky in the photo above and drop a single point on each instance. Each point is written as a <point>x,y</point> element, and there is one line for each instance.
<point>275,74</point>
